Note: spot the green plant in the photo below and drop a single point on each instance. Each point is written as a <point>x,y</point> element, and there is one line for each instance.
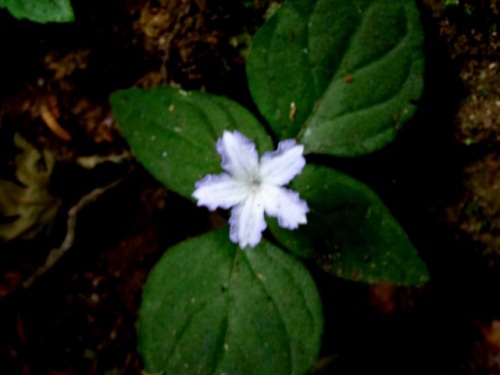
<point>330,77</point>
<point>41,11</point>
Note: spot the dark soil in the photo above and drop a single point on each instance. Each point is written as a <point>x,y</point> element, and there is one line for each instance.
<point>79,316</point>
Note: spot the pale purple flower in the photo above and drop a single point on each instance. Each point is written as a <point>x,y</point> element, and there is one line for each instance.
<point>252,187</point>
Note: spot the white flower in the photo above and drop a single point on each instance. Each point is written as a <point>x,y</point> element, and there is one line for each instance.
<point>253,187</point>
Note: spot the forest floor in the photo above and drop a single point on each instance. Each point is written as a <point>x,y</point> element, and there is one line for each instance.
<point>105,221</point>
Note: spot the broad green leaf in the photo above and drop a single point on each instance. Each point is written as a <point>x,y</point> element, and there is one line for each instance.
<point>173,133</point>
<point>210,308</point>
<point>350,233</point>
<point>352,69</point>
<point>41,11</point>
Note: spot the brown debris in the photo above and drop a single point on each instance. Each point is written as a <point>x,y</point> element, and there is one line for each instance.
<point>50,120</point>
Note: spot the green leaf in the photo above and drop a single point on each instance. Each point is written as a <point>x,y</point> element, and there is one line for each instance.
<point>350,233</point>
<point>353,70</point>
<point>41,11</point>
<point>173,133</point>
<point>210,308</point>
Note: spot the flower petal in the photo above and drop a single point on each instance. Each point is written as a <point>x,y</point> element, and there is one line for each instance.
<point>220,190</point>
<point>281,166</point>
<point>239,155</point>
<point>247,222</point>
<point>285,205</point>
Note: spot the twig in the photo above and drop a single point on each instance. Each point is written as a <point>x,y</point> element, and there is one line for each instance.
<point>56,253</point>
<point>52,123</point>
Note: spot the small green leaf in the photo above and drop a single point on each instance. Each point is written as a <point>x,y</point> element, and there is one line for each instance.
<point>351,70</point>
<point>350,233</point>
<point>173,133</point>
<point>210,308</point>
<point>41,11</point>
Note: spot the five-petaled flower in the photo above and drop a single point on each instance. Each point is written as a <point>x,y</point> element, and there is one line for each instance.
<point>252,187</point>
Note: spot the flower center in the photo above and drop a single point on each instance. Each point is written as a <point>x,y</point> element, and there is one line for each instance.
<point>255,181</point>
<point>255,184</point>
